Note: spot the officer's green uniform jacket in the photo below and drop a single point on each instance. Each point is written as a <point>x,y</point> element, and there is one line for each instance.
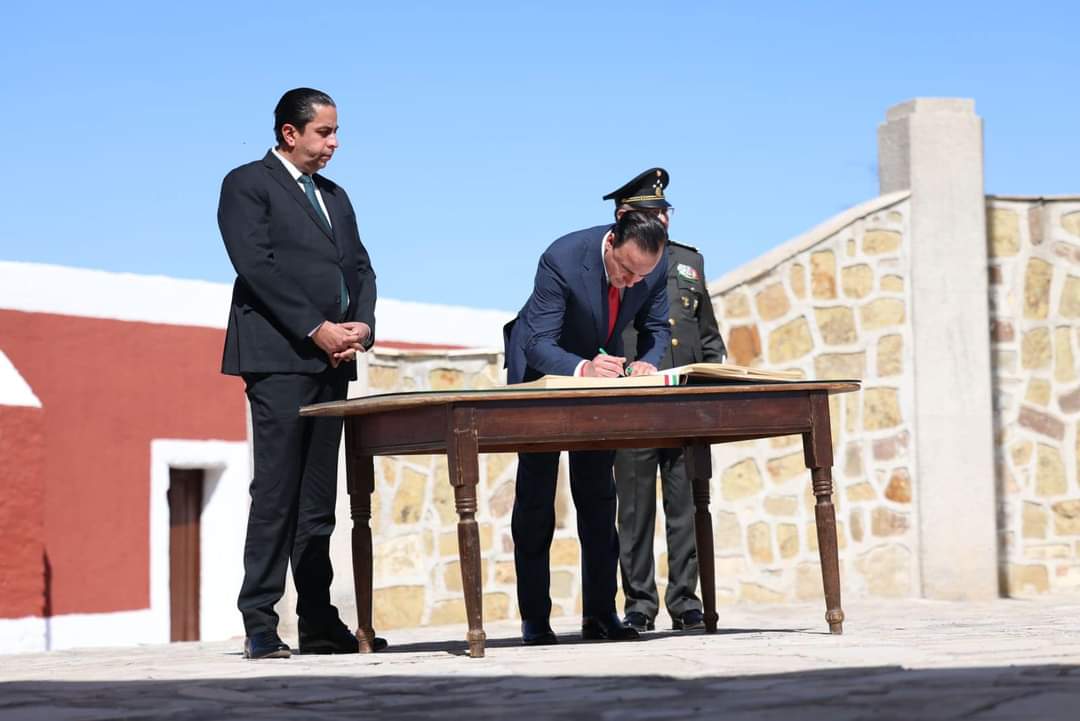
<point>695,337</point>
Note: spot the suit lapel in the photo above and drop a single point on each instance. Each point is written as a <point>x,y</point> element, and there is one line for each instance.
<point>592,279</point>
<point>281,175</point>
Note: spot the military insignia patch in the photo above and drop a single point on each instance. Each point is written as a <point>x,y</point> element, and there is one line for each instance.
<point>687,271</point>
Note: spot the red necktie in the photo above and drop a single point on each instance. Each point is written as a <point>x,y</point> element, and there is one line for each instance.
<point>613,308</point>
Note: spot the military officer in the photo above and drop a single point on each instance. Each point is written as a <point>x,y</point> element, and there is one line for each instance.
<point>695,337</point>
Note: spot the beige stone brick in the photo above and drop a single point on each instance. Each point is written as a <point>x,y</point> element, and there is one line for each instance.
<point>445,613</point>
<point>452,574</point>
<point>756,593</point>
<point>1034,521</point>
<point>1003,227</point>
<point>857,281</point>
<point>785,467</point>
<point>1021,452</point>
<point>884,523</point>
<point>744,345</point>
<point>409,498</point>
<point>445,379</point>
<point>759,543</point>
<point>1028,580</point>
<point>1002,331</point>
<point>736,305</point>
<point>384,377</point>
<point>781,505</point>
<point>790,341</point>
<point>565,552</point>
<point>479,381</point>
<point>1049,471</point>
<point>1070,402</point>
<point>1069,305</point>
<point>881,409</point>
<point>892,284</point>
<point>833,366</point>
<point>448,544</point>
<point>855,521</point>
<point>728,533</point>
<point>812,539</point>
<point>851,416</point>
<point>400,557</point>
<point>785,441</point>
<point>797,279</point>
<point>882,313</point>
<point>1071,222</point>
<point>1067,517</point>
<point>662,565</point>
<point>1037,279</point>
<point>808,585</point>
<point>501,501</point>
<point>772,302</point>
<point>496,606</point>
<point>787,539</point>
<point>853,460</point>
<point>741,480</point>
<point>890,359</point>
<point>891,447</point>
<point>387,470</point>
<point>1003,361</point>
<point>899,488</point>
<point>442,493</point>
<point>886,570</point>
<point>852,248</point>
<point>398,606</point>
<point>880,242</point>
<point>837,325</point>
<point>1064,360</point>
<point>505,573</point>
<point>1038,392</point>
<point>861,491</point>
<point>496,464</point>
<point>562,584</point>
<point>1042,423</point>
<point>1048,552</point>
<point>823,274</point>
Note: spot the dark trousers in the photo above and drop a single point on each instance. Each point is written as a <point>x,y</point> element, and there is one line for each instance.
<point>293,492</point>
<point>533,525</point>
<point>635,481</point>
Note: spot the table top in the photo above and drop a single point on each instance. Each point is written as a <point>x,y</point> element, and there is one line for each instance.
<point>411,399</point>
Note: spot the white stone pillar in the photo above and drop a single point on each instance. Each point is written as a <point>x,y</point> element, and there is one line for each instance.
<point>933,146</point>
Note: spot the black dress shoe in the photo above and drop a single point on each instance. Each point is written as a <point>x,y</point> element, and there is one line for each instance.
<point>537,633</point>
<point>608,628</point>
<point>688,620</point>
<point>638,621</point>
<point>335,639</point>
<point>265,644</point>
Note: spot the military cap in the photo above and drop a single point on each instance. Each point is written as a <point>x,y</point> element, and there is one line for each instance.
<point>644,191</point>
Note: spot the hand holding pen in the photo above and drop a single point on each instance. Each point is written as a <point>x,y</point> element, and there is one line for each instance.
<point>605,366</point>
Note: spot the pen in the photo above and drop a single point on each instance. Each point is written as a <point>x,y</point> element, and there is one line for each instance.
<point>626,369</point>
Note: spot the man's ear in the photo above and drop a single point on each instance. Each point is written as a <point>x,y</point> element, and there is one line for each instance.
<point>289,133</point>
<point>619,212</point>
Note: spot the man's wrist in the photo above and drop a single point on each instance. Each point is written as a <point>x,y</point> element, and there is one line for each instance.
<point>580,370</point>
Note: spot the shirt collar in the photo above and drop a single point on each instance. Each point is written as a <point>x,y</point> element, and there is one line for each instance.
<point>293,170</point>
<point>602,263</point>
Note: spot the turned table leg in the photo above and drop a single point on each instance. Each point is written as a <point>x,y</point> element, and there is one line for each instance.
<point>699,470</point>
<point>817,449</point>
<point>360,481</point>
<point>462,459</point>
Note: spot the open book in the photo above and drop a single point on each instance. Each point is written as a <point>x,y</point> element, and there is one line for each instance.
<point>678,375</point>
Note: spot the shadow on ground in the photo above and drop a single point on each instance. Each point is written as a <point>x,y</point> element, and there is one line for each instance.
<point>883,693</point>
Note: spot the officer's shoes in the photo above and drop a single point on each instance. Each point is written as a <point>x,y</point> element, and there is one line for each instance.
<point>688,620</point>
<point>638,621</point>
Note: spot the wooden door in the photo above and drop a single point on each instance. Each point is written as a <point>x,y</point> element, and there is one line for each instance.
<point>185,508</point>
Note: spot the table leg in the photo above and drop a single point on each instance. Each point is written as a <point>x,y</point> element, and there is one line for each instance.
<point>699,470</point>
<point>462,458</point>
<point>360,478</point>
<point>817,449</point>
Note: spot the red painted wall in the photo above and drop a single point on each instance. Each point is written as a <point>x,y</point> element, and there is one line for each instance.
<point>107,389</point>
<point>22,508</point>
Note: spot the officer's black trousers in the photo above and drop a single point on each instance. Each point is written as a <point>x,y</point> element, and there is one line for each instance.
<point>293,492</point>
<point>533,525</point>
<point>635,480</point>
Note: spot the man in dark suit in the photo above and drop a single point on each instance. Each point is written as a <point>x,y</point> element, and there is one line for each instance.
<point>695,337</point>
<point>589,286</point>
<point>303,305</point>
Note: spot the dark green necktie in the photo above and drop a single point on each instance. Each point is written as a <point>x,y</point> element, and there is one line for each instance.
<point>309,191</point>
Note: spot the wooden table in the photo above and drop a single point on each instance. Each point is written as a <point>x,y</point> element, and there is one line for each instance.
<point>463,424</point>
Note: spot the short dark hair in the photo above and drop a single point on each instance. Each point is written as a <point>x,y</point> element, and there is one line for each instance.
<point>297,108</point>
<point>644,229</point>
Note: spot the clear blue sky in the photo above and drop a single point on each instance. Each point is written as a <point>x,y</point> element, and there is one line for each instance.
<point>475,133</point>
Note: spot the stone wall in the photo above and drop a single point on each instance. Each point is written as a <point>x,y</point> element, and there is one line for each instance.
<point>1034,248</point>
<point>831,304</point>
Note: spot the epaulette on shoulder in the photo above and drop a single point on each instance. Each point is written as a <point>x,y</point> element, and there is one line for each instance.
<point>683,245</point>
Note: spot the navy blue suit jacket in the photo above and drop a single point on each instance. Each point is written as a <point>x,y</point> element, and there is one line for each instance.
<point>565,319</point>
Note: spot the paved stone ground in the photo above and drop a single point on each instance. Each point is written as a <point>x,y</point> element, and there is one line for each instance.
<point>896,660</point>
